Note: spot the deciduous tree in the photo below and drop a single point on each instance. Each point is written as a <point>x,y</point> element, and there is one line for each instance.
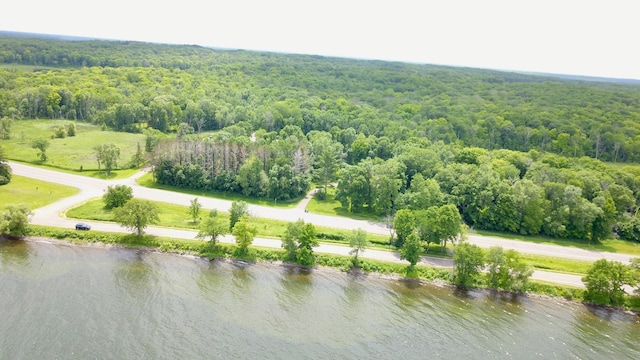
<point>116,196</point>
<point>252,178</point>
<point>244,232</point>
<point>359,243</point>
<point>404,224</point>
<point>328,156</point>
<point>108,155</point>
<point>15,219</point>
<point>212,227</point>
<point>507,270</point>
<point>136,215</point>
<point>306,244</point>
<point>411,249</point>
<point>194,209</point>
<point>290,239</point>
<point>5,128</point>
<point>605,282</point>
<point>5,169</point>
<point>237,210</point>
<point>468,260</point>
<point>41,145</point>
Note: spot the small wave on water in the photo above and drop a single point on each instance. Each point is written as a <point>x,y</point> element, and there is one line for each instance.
<point>74,302</point>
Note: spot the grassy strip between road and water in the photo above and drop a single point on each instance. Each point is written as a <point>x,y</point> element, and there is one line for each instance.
<point>177,216</point>
<point>556,264</point>
<point>609,245</point>
<point>255,254</point>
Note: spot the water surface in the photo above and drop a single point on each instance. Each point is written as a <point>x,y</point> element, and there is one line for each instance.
<point>69,302</point>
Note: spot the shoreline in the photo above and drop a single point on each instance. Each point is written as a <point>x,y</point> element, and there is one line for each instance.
<point>328,269</point>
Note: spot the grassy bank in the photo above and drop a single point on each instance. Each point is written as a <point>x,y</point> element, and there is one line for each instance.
<point>609,245</point>
<point>228,251</point>
<point>177,216</point>
<point>34,193</point>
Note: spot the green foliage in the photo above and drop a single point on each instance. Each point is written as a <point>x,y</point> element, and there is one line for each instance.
<point>5,169</point>
<point>211,228</point>
<point>117,196</point>
<point>507,270</point>
<point>328,156</point>
<point>41,145</point>
<point>404,224</point>
<point>359,243</point>
<point>605,282</point>
<point>137,159</point>
<point>277,169</point>
<point>60,131</point>
<point>70,127</point>
<point>553,290</point>
<point>136,215</point>
<point>513,153</point>
<point>236,212</point>
<point>252,178</point>
<point>244,233</point>
<point>306,242</point>
<point>290,239</point>
<point>298,240</point>
<point>468,261</point>
<point>411,249</point>
<point>628,227</point>
<point>194,209</point>
<point>15,219</point>
<point>108,155</point>
<point>5,128</point>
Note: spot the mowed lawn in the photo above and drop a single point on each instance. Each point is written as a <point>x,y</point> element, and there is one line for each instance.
<point>177,216</point>
<point>332,207</point>
<point>71,152</point>
<point>34,193</point>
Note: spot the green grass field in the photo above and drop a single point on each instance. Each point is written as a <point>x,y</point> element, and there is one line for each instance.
<point>609,245</point>
<point>556,264</point>
<point>69,153</point>
<point>34,193</point>
<point>332,207</point>
<point>177,216</point>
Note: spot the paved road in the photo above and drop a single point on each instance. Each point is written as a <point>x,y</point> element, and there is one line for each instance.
<point>52,215</point>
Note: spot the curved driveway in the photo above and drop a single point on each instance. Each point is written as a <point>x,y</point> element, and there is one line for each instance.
<point>92,188</point>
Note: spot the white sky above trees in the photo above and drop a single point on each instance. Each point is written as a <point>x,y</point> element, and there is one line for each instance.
<point>597,38</point>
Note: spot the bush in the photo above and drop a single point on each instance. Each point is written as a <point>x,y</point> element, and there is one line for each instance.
<point>60,132</point>
<point>116,196</point>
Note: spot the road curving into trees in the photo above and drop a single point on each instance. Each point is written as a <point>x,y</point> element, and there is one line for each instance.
<point>90,188</point>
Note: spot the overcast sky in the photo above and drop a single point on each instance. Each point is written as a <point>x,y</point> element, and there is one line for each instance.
<point>598,38</point>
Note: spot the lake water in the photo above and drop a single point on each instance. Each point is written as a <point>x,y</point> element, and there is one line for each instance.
<point>69,302</point>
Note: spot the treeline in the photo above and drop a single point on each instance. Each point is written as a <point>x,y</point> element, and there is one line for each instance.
<point>277,168</point>
<point>500,190</point>
<point>530,193</point>
<point>128,86</point>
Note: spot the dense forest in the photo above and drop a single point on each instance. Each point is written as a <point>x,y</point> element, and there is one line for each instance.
<point>126,84</point>
<point>513,152</point>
